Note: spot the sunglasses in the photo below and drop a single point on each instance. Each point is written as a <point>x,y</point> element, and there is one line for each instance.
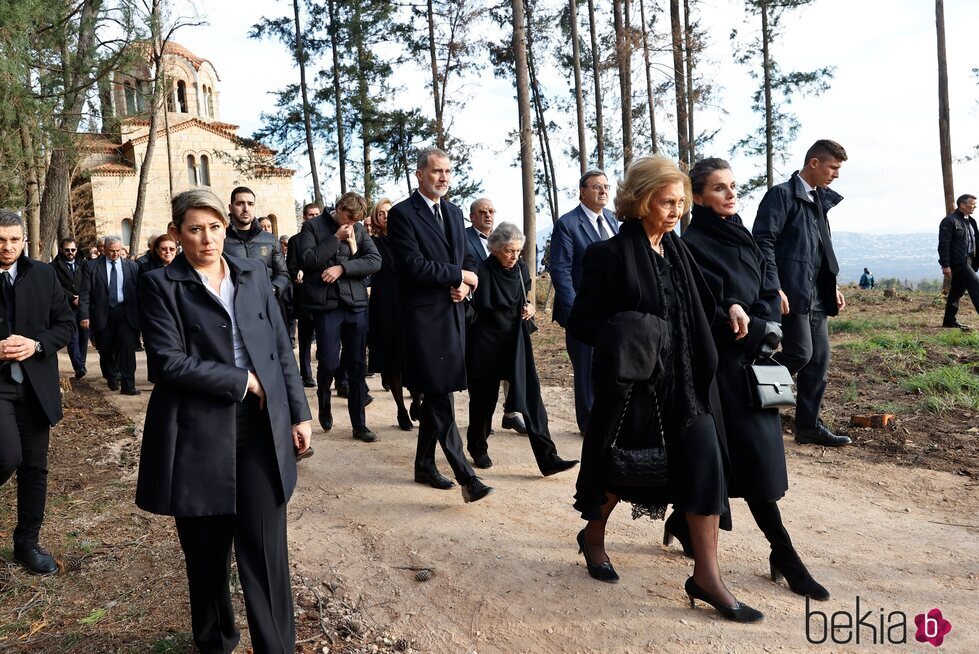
<point>168,249</point>
<point>71,249</point>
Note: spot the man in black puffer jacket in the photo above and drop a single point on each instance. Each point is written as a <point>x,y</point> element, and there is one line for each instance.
<point>247,239</point>
<point>958,255</point>
<point>335,254</point>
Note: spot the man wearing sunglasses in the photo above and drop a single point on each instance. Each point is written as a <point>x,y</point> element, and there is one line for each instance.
<point>69,271</point>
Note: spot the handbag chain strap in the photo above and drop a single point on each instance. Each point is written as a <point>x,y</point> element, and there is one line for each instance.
<point>625,408</point>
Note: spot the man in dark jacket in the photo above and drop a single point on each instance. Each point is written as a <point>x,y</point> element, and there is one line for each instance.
<point>304,322</point>
<point>336,254</point>
<point>247,239</point>
<point>958,237</point>
<point>70,271</point>
<point>35,322</point>
<point>426,235</point>
<point>793,233</point>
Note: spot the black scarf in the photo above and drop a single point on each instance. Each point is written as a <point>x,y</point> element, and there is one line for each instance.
<point>729,230</point>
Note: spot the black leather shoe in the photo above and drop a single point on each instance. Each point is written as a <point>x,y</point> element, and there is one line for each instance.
<point>326,420</point>
<point>475,490</point>
<point>957,325</point>
<point>819,435</point>
<point>737,613</point>
<point>556,466</point>
<point>309,382</point>
<point>602,572</point>
<point>415,408</point>
<point>305,455</point>
<point>404,421</point>
<point>81,372</point>
<point>112,384</point>
<point>515,423</point>
<point>789,566</point>
<point>368,398</point>
<point>343,390</point>
<point>37,561</point>
<point>130,391</point>
<point>433,478</point>
<point>365,435</point>
<point>482,461</point>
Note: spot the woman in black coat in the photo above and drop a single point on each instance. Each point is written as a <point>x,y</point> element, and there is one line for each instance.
<point>160,255</point>
<point>223,427</point>
<point>498,348</point>
<point>641,306</point>
<point>384,339</point>
<point>734,269</point>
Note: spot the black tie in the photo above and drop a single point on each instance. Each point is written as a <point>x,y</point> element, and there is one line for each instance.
<point>16,372</point>
<point>71,267</point>
<point>602,232</point>
<point>438,217</point>
<point>114,285</point>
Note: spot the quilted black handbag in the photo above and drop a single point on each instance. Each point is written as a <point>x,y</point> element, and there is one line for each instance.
<point>637,468</point>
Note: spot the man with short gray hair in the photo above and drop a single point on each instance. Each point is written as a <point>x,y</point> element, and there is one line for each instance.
<point>108,305</point>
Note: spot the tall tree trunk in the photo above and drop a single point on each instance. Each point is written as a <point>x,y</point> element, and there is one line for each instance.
<point>436,97</point>
<point>547,159</point>
<point>526,137</point>
<point>337,97</point>
<point>683,140</point>
<point>623,57</point>
<point>56,199</point>
<point>769,109</point>
<point>579,101</point>
<point>307,121</point>
<point>596,73</point>
<point>32,196</point>
<point>650,100</point>
<point>363,101</point>
<point>691,92</point>
<point>944,126</point>
<point>159,87</point>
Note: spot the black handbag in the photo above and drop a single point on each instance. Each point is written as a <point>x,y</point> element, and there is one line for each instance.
<point>770,386</point>
<point>637,468</point>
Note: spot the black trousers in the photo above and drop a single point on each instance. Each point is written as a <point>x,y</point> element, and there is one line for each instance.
<point>78,347</point>
<point>483,395</point>
<point>304,329</point>
<point>437,424</point>
<point>964,279</point>
<point>24,440</point>
<point>258,531</point>
<point>580,355</point>
<point>805,352</point>
<point>117,349</point>
<point>349,328</point>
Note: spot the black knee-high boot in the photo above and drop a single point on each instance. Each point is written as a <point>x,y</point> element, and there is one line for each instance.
<point>783,560</point>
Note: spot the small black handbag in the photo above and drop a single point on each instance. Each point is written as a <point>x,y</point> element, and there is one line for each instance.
<point>637,468</point>
<point>770,386</point>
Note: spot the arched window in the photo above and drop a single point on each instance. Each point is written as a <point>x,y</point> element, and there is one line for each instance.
<point>143,92</point>
<point>210,102</point>
<point>192,170</point>
<point>182,96</point>
<point>126,229</point>
<point>202,100</point>
<point>130,89</point>
<point>205,176</point>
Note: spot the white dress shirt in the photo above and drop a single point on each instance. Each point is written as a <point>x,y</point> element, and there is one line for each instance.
<point>119,276</point>
<point>226,296</point>
<point>595,219</point>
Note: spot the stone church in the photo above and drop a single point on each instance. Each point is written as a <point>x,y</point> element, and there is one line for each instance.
<point>193,148</point>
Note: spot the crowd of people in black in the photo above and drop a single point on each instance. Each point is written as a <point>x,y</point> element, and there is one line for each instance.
<point>660,330</point>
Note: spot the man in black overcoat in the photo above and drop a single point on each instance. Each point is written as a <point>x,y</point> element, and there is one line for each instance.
<point>35,322</point>
<point>304,321</point>
<point>70,271</point>
<point>958,255</point>
<point>426,234</point>
<point>108,305</point>
<point>793,233</point>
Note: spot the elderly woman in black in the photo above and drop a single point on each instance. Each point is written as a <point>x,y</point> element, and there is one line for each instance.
<point>641,306</point>
<point>498,348</point>
<point>734,269</point>
<point>223,426</point>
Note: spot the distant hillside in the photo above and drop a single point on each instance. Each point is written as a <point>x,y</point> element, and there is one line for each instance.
<point>905,256</point>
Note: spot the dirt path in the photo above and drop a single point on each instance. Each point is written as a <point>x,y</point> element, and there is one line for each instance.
<point>507,576</point>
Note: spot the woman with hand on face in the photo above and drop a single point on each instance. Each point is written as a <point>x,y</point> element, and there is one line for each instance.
<point>223,426</point>
<point>498,348</point>
<point>734,269</point>
<point>641,306</point>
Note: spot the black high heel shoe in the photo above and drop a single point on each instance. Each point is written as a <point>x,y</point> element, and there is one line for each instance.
<point>684,539</point>
<point>603,572</point>
<point>404,421</point>
<point>791,568</point>
<point>737,613</point>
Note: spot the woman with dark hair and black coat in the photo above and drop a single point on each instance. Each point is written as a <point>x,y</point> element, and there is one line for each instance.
<point>641,306</point>
<point>734,269</point>
<point>161,254</point>
<point>498,348</point>
<point>223,427</point>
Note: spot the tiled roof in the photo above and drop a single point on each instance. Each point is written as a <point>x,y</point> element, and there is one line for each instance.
<point>110,169</point>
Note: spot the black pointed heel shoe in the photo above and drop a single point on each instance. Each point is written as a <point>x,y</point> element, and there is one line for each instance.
<point>737,613</point>
<point>791,568</point>
<point>404,421</point>
<point>603,572</point>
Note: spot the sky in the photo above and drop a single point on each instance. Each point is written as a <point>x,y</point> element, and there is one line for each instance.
<point>882,104</point>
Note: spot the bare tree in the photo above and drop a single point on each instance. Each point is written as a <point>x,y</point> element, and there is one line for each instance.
<point>680,86</point>
<point>650,98</point>
<point>578,95</point>
<point>944,126</point>
<point>334,30</point>
<point>623,57</point>
<point>300,56</point>
<point>597,74</point>
<point>688,51</point>
<point>539,103</point>
<point>526,135</point>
